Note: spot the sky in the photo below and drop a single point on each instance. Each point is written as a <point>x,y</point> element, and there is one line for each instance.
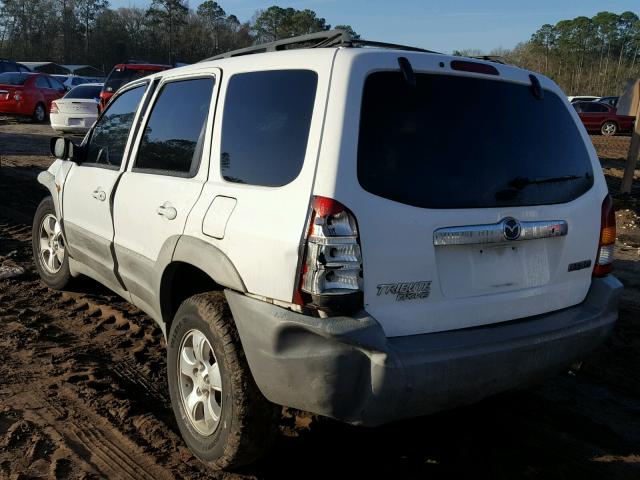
<point>443,25</point>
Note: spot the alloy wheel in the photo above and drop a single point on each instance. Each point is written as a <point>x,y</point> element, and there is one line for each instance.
<point>200,383</point>
<point>51,244</point>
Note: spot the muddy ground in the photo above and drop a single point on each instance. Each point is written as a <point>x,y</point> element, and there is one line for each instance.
<point>83,391</point>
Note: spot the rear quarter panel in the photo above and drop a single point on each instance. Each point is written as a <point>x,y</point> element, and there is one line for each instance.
<point>264,229</point>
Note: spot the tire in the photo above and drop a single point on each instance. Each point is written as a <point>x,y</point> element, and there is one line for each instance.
<point>50,254</point>
<point>609,128</point>
<point>247,422</point>
<point>39,113</point>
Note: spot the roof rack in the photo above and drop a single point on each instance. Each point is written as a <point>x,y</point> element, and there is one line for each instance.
<point>324,39</point>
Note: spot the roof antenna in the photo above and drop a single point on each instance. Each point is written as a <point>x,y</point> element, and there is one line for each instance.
<point>407,71</point>
<point>536,88</point>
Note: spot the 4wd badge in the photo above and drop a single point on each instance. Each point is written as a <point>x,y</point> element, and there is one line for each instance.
<point>406,291</point>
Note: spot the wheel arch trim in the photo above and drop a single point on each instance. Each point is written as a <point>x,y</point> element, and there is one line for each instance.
<point>198,254</point>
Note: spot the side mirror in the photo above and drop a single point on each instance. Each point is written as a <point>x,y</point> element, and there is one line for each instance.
<point>63,148</point>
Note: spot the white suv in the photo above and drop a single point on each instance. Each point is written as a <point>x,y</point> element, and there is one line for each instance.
<point>364,233</point>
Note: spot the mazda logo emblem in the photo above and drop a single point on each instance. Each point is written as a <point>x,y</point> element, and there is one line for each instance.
<point>511,228</point>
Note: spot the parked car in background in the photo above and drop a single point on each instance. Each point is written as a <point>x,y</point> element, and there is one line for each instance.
<point>77,111</point>
<point>28,94</point>
<point>603,118</point>
<point>70,81</point>
<point>582,98</point>
<point>11,66</point>
<point>611,101</point>
<point>125,73</point>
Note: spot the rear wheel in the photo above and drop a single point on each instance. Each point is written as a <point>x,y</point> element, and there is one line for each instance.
<point>223,417</point>
<point>49,249</point>
<point>39,114</point>
<point>609,128</point>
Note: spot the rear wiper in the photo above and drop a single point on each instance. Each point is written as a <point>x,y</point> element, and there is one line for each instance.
<point>520,182</point>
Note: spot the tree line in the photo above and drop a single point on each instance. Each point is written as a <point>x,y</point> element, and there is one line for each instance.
<point>168,31</point>
<point>584,55</point>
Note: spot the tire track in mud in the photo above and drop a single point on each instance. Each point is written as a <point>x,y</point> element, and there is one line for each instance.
<point>100,364</point>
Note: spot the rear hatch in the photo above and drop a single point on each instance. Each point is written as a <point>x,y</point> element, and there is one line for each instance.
<point>476,202</point>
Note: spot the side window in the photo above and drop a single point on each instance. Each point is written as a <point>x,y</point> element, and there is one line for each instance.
<point>22,68</point>
<point>265,126</point>
<point>56,84</point>
<point>174,135</point>
<point>109,136</point>
<point>591,107</point>
<point>41,82</point>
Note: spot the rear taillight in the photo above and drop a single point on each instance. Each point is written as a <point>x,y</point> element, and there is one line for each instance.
<point>330,274</point>
<point>604,259</point>
<point>17,97</point>
<point>54,107</point>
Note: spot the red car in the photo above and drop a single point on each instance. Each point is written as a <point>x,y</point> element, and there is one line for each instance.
<point>28,94</point>
<point>125,73</point>
<point>603,118</point>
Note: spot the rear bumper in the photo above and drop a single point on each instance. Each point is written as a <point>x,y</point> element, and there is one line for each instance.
<point>81,122</point>
<point>346,368</point>
<point>9,108</point>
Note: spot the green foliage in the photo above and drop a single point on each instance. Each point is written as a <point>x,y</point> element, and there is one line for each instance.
<point>276,23</point>
<point>88,31</point>
<point>588,56</point>
<point>349,29</point>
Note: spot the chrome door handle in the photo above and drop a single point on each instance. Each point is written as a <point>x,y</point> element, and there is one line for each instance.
<point>167,211</point>
<point>99,194</point>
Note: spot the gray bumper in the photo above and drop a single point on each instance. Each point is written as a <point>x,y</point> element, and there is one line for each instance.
<point>346,368</point>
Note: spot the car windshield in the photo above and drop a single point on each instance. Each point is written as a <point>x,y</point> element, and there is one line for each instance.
<point>13,78</point>
<point>119,77</point>
<point>459,142</point>
<point>84,91</point>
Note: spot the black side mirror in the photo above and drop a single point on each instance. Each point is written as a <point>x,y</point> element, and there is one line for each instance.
<point>64,149</point>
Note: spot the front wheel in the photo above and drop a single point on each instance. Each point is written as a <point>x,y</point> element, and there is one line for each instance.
<point>49,249</point>
<point>609,128</point>
<point>223,417</point>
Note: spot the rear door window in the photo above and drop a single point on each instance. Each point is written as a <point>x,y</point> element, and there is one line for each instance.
<point>265,126</point>
<point>594,108</point>
<point>463,142</point>
<point>56,84</point>
<point>174,135</point>
<point>41,82</point>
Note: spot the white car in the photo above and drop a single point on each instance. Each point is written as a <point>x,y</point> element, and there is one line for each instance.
<point>367,234</point>
<point>77,111</point>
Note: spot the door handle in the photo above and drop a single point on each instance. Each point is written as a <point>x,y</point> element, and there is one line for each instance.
<point>99,194</point>
<point>167,211</point>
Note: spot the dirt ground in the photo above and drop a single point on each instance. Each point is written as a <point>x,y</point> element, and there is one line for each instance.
<point>83,389</point>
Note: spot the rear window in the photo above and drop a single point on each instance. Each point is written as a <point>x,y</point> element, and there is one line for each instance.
<point>461,142</point>
<point>118,78</point>
<point>13,78</point>
<point>84,92</point>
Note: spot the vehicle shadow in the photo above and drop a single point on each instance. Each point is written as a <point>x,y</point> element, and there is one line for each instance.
<point>517,435</point>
